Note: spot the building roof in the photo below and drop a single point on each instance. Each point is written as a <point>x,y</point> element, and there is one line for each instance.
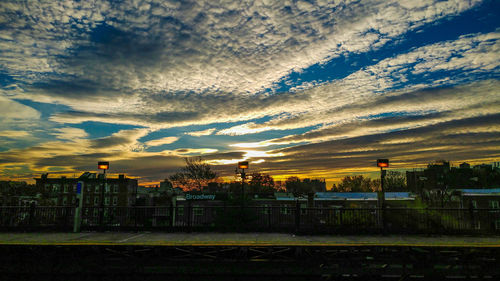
<point>475,192</point>
<point>284,196</point>
<point>361,196</point>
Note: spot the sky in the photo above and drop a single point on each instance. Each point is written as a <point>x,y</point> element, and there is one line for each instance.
<point>317,89</point>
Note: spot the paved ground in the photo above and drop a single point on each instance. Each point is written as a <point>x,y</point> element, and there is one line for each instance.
<point>250,239</point>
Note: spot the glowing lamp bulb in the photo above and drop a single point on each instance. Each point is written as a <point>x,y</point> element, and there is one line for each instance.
<point>383,163</point>
<point>103,165</point>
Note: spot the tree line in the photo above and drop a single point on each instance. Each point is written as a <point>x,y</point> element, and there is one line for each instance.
<point>198,175</point>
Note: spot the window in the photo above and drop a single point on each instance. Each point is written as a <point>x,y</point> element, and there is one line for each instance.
<point>285,210</point>
<point>96,212</point>
<point>115,200</point>
<point>73,200</point>
<point>96,201</point>
<point>97,188</point>
<point>87,199</point>
<point>494,204</point>
<point>474,204</point>
<point>106,201</point>
<point>197,210</point>
<point>115,188</point>
<point>65,201</point>
<point>66,188</point>
<point>106,188</point>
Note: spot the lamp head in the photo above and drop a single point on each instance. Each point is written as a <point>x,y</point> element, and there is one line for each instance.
<point>243,165</point>
<point>383,163</point>
<point>102,165</point>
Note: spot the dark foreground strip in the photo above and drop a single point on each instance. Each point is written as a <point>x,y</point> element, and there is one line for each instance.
<point>129,262</point>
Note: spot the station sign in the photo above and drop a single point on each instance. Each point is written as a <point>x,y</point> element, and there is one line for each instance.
<point>79,188</point>
<point>205,196</point>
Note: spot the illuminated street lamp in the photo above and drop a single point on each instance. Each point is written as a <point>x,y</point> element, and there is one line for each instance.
<point>382,163</point>
<point>102,165</point>
<point>243,165</point>
<point>241,170</point>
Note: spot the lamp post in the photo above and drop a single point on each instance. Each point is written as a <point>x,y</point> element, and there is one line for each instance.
<point>102,165</point>
<point>241,169</point>
<point>382,163</point>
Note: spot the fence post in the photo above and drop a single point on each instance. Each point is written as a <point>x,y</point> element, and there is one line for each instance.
<point>297,216</point>
<point>427,221</point>
<point>269,216</point>
<point>471,213</point>
<point>172,217</point>
<point>66,216</point>
<point>384,218</point>
<point>135,216</point>
<point>190,214</point>
<point>32,214</point>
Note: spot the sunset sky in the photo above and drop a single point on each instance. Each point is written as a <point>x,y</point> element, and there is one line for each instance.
<point>317,89</point>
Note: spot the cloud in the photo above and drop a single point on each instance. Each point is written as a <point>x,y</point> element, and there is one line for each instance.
<point>151,64</point>
<point>13,111</point>
<point>404,111</point>
<point>70,133</point>
<point>187,151</point>
<point>450,140</point>
<point>124,140</point>
<point>244,129</point>
<point>14,134</point>
<point>206,132</point>
<point>162,141</point>
<point>166,64</point>
<point>375,89</point>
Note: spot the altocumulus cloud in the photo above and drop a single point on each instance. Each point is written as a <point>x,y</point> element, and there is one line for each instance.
<point>248,71</point>
<point>171,55</point>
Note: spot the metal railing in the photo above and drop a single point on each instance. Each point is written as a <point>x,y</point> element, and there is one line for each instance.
<point>257,218</point>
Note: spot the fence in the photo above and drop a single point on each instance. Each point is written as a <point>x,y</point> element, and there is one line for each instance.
<point>252,218</point>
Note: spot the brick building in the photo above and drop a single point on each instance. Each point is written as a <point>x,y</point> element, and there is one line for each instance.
<point>120,191</point>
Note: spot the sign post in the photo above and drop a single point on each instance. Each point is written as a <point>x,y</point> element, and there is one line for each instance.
<point>78,210</point>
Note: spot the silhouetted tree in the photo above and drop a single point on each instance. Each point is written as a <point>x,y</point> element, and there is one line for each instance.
<point>356,184</point>
<point>394,181</point>
<point>195,175</point>
<point>303,187</point>
<point>261,183</point>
